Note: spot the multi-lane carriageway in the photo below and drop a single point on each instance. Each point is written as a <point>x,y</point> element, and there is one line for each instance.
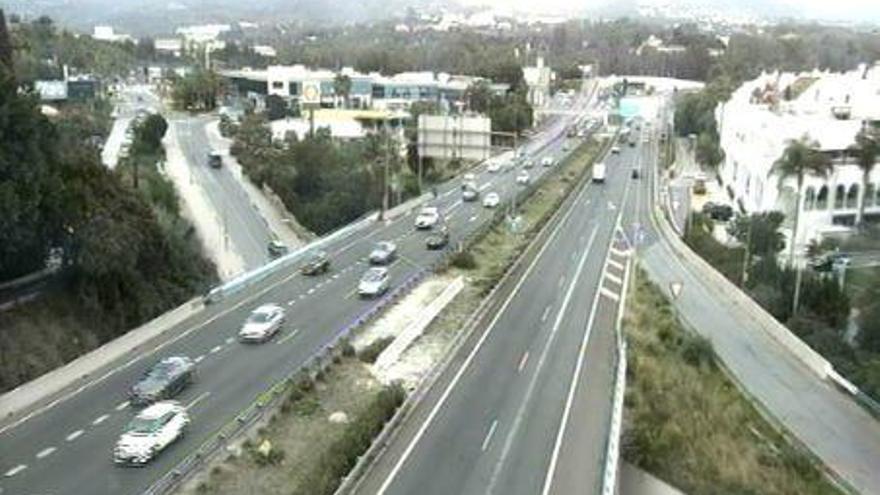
<point>66,447</point>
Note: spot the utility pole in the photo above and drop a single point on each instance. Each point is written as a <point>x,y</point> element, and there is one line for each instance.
<point>747,255</point>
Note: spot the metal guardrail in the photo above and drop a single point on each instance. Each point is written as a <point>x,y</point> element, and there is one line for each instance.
<point>323,356</point>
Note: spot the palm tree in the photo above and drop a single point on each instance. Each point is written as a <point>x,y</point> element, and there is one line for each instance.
<point>342,88</point>
<point>866,149</point>
<point>800,158</point>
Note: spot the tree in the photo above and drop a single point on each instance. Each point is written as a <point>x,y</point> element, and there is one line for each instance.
<point>150,132</point>
<point>197,91</point>
<point>342,88</point>
<point>708,152</point>
<point>479,96</point>
<point>867,150</point>
<point>760,233</point>
<point>800,159</point>
<point>276,107</point>
<point>5,44</point>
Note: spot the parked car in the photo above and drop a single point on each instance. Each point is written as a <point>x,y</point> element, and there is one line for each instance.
<point>383,253</point>
<point>263,323</point>
<point>830,261</point>
<point>163,380</point>
<point>491,200</point>
<point>150,432</point>
<point>428,217</point>
<point>215,160</point>
<point>276,249</point>
<point>374,282</point>
<point>717,211</point>
<point>318,263</point>
<point>522,177</point>
<point>438,240</point>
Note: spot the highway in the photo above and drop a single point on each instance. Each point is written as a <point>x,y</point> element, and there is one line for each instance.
<point>65,448</point>
<point>526,406</point>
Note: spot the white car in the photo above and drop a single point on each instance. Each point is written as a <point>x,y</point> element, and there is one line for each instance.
<point>469,177</point>
<point>153,429</point>
<point>615,150</point>
<point>428,217</point>
<point>491,200</point>
<point>547,161</point>
<point>263,323</point>
<point>522,177</point>
<point>374,282</point>
<point>494,168</point>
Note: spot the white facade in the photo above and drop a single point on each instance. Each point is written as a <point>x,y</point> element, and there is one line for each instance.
<point>170,46</point>
<point>538,79</point>
<point>106,33</point>
<point>760,118</point>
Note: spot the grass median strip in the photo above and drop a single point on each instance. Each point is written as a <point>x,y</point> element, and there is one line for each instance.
<point>688,424</point>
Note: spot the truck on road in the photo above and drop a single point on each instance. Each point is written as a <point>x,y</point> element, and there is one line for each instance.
<point>599,173</point>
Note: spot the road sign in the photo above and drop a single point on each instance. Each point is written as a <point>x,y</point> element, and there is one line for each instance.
<point>675,288</point>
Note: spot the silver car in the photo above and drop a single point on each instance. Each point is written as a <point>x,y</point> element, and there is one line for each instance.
<point>383,253</point>
<point>374,282</point>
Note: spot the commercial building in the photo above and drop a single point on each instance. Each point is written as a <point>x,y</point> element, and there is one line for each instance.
<point>760,118</point>
<point>316,87</point>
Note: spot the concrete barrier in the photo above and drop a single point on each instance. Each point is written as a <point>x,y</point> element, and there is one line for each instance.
<point>51,387</point>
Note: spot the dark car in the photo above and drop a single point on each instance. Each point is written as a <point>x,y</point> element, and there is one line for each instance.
<point>469,193</point>
<point>635,173</point>
<point>318,263</point>
<point>215,160</point>
<point>276,249</point>
<point>164,380</point>
<point>717,211</point>
<point>830,261</point>
<point>438,240</point>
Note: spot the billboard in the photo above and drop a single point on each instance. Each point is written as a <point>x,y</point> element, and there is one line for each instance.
<point>311,92</point>
<point>455,136</point>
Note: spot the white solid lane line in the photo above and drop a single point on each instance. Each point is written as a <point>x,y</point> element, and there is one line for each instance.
<point>489,435</point>
<point>45,452</point>
<point>198,359</point>
<point>73,436</point>
<point>100,419</point>
<point>545,314</point>
<point>197,400</point>
<point>122,405</point>
<point>17,469</point>
<point>287,337</point>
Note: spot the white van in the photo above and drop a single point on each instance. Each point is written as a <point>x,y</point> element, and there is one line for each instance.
<point>599,172</point>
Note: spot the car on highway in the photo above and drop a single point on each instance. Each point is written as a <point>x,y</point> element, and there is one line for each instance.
<point>494,167</point>
<point>163,380</point>
<point>215,160</point>
<point>383,253</point>
<point>374,282</point>
<point>599,171</point>
<point>263,323</point>
<point>469,177</point>
<point>547,161</point>
<point>635,173</point>
<point>491,200</point>
<point>470,192</point>
<point>438,240</point>
<point>427,218</point>
<point>528,164</point>
<point>153,429</point>
<point>615,150</point>
<point>522,177</point>
<point>317,263</point>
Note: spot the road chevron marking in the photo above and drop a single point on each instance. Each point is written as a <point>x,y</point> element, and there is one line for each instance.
<point>17,469</point>
<point>609,294</point>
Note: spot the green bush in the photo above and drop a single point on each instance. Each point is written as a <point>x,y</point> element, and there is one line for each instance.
<point>370,353</point>
<point>463,260</point>
<point>696,350</point>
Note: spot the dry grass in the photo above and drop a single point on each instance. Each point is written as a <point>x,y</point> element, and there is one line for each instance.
<point>301,430</point>
<point>688,424</point>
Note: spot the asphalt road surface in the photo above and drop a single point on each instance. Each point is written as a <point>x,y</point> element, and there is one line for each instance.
<point>66,448</point>
<point>244,229</point>
<point>526,407</point>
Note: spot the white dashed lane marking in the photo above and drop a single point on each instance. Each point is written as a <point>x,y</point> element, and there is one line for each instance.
<point>229,340</point>
<point>100,419</point>
<point>17,469</point>
<point>198,359</point>
<point>122,405</point>
<point>216,349</point>
<point>73,436</point>
<point>45,452</point>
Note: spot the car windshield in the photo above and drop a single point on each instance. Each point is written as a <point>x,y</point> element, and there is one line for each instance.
<point>383,247</point>
<point>259,317</point>
<point>144,426</point>
<point>373,276</point>
<point>162,370</point>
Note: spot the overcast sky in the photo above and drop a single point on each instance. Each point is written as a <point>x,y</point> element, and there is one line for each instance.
<point>820,9</point>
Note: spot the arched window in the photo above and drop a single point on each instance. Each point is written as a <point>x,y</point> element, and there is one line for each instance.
<point>852,197</point>
<point>822,198</point>
<point>839,194</point>
<point>809,198</point>
<point>870,193</point>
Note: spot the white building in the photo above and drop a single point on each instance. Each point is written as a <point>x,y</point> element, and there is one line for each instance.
<point>538,79</point>
<point>106,33</point>
<point>169,46</point>
<point>764,114</point>
<point>265,51</point>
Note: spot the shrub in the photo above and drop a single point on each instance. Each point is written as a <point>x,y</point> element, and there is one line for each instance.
<point>306,406</point>
<point>370,353</point>
<point>463,260</point>
<point>696,350</point>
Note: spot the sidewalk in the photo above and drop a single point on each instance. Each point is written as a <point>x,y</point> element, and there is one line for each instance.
<point>281,222</point>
